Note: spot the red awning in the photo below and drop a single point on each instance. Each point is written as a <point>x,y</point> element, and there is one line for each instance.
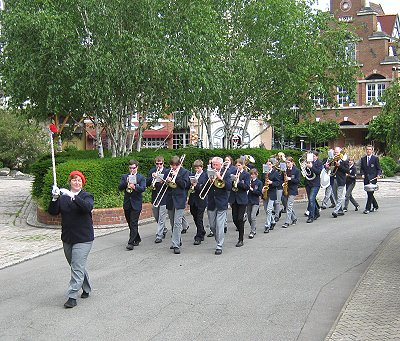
<point>156,133</point>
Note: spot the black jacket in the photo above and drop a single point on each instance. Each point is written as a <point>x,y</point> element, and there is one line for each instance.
<point>294,175</point>
<point>134,199</point>
<point>371,170</point>
<point>341,172</point>
<point>76,217</point>
<point>276,179</point>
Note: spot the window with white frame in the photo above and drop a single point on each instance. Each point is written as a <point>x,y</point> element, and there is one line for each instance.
<point>342,96</point>
<point>375,92</point>
<point>350,51</point>
<point>319,101</point>
<point>153,142</point>
<point>180,140</point>
<point>1,5</point>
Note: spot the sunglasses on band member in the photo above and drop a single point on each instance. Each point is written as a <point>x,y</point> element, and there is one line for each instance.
<point>159,163</point>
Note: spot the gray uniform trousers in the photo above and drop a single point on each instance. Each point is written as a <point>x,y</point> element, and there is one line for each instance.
<point>349,196</point>
<point>216,220</point>
<point>328,195</point>
<point>76,255</point>
<point>252,216</point>
<point>339,199</point>
<point>277,203</point>
<point>176,217</point>
<point>268,207</point>
<point>290,214</point>
<point>160,215</point>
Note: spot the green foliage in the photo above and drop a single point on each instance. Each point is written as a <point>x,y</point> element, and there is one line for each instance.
<point>385,128</point>
<point>316,132</point>
<point>103,175</point>
<point>389,166</point>
<point>21,140</point>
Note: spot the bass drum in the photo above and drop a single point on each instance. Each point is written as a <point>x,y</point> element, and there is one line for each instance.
<point>325,179</point>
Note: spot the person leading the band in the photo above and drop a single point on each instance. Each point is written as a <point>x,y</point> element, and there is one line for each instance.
<point>77,234</point>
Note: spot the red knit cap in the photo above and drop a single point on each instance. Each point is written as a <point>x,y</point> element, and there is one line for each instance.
<point>76,172</point>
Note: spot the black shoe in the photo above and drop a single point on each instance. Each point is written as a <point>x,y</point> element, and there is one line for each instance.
<point>374,209</point>
<point>218,252</point>
<point>197,242</point>
<point>226,229</point>
<point>177,250</point>
<point>294,222</point>
<point>184,231</point>
<point>323,207</point>
<point>345,210</point>
<point>165,232</point>
<point>239,243</point>
<point>317,216</point>
<point>136,243</point>
<point>285,225</point>
<point>310,220</point>
<point>276,219</point>
<point>158,240</point>
<point>266,230</point>
<point>332,206</point>
<point>356,209</point>
<point>340,213</point>
<point>129,247</point>
<point>280,213</point>
<point>70,303</point>
<point>251,235</point>
<point>272,226</point>
<point>334,214</point>
<point>366,212</point>
<point>211,234</point>
<point>85,294</point>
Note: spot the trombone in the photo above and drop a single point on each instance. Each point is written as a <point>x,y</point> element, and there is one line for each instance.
<point>153,183</point>
<point>219,183</point>
<point>168,183</point>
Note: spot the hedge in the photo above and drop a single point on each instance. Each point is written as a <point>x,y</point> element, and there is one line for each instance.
<point>103,175</point>
<point>389,166</point>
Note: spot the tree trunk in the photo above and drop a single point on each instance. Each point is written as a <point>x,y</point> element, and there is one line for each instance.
<point>99,141</point>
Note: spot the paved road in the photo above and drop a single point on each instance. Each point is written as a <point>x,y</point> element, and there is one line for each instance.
<point>290,284</point>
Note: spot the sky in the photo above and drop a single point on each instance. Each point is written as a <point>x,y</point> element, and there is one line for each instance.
<point>389,6</point>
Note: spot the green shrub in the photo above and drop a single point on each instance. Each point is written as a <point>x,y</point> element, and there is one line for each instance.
<point>103,175</point>
<point>389,166</point>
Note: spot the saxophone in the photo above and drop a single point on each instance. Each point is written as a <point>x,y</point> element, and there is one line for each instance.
<point>266,186</point>
<point>285,184</point>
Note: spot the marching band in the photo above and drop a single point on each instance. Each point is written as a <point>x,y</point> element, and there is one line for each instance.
<point>224,183</point>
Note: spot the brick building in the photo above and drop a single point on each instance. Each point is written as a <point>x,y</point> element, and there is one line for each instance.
<point>377,56</point>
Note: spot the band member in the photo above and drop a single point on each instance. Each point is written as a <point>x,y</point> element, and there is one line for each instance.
<point>133,184</point>
<point>217,205</point>
<point>77,235</point>
<point>340,171</point>
<point>209,166</point>
<point>312,187</point>
<point>155,182</point>
<point>179,184</point>
<point>329,193</point>
<point>271,181</point>
<point>371,172</point>
<point>228,162</point>
<point>253,205</point>
<point>350,183</point>
<point>198,206</point>
<point>238,198</point>
<point>293,179</point>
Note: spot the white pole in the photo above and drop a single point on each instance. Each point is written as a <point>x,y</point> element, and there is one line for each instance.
<point>53,159</point>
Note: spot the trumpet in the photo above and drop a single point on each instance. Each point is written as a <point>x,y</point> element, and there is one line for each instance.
<point>131,180</point>
<point>236,181</point>
<point>219,183</point>
<point>332,164</point>
<point>153,183</point>
<point>168,183</point>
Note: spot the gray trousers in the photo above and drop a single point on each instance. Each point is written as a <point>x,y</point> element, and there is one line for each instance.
<point>277,203</point>
<point>268,207</point>
<point>339,199</point>
<point>290,214</point>
<point>160,215</point>
<point>349,196</point>
<point>252,216</point>
<point>216,220</point>
<point>328,195</point>
<point>176,217</point>
<point>76,255</point>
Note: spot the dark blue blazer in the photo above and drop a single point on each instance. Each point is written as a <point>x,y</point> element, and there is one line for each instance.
<point>158,185</point>
<point>276,179</point>
<point>316,168</point>
<point>240,197</point>
<point>76,217</point>
<point>341,172</point>
<point>194,199</point>
<point>231,169</point>
<point>133,200</point>
<point>176,197</point>
<point>370,171</point>
<point>352,174</point>
<point>294,181</point>
<point>218,197</point>
<point>255,194</point>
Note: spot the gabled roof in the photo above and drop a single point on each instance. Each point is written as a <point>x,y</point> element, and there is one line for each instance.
<point>387,23</point>
<point>377,8</point>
